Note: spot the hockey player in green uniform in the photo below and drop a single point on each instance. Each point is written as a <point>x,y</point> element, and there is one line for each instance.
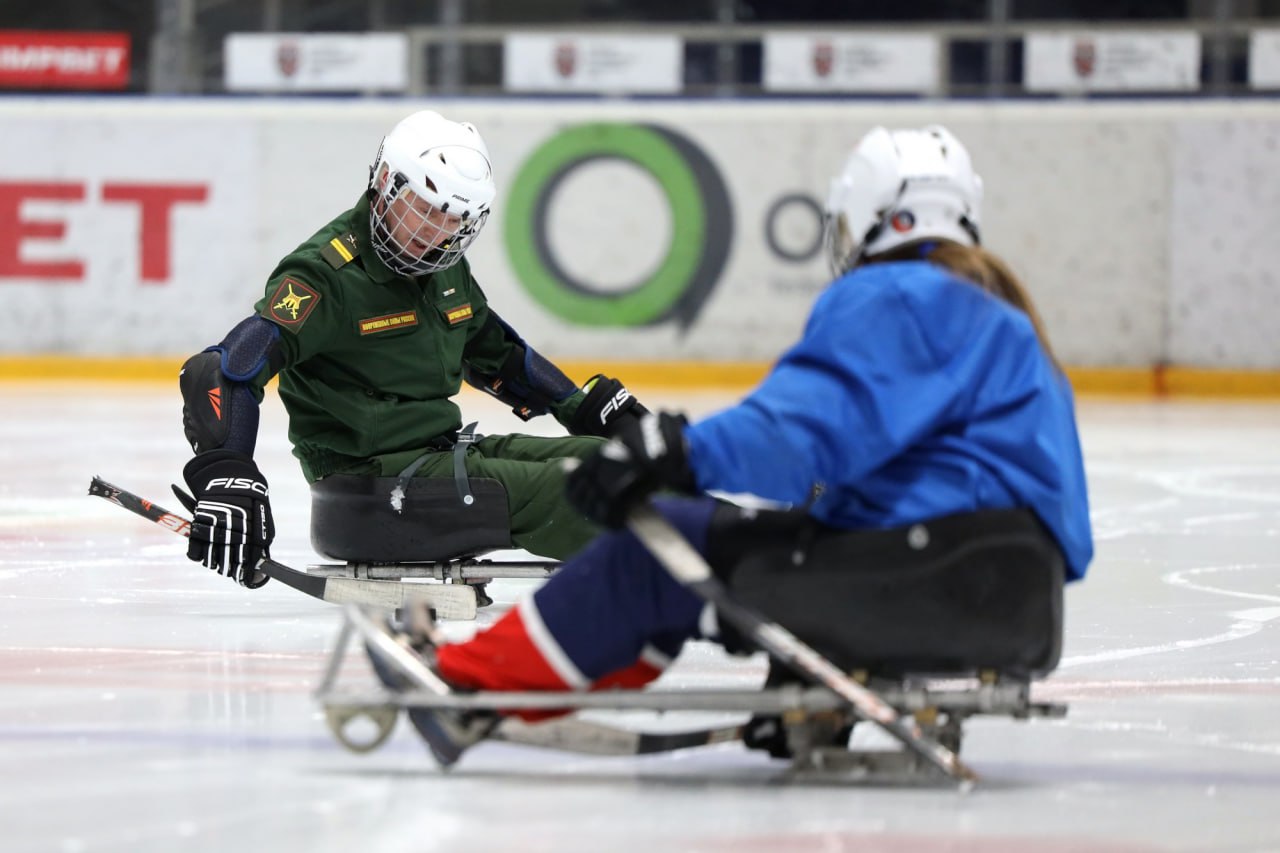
<point>372,324</point>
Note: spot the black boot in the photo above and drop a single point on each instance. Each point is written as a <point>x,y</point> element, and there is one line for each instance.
<point>448,732</point>
<point>766,732</point>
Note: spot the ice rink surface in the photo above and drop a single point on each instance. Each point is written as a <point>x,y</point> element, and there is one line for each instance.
<point>146,704</point>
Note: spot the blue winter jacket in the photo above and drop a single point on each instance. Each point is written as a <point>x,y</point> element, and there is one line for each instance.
<point>912,394</point>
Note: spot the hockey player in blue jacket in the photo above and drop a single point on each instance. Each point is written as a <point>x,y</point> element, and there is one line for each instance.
<point>922,410</point>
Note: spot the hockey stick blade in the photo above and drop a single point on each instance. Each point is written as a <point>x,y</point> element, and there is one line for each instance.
<point>585,737</point>
<point>449,601</point>
<point>688,566</point>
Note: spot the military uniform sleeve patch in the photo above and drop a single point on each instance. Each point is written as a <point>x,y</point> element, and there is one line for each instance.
<point>291,304</point>
<point>340,251</point>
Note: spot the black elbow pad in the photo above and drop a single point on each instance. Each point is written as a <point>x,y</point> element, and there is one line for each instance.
<point>206,396</point>
<point>219,410</point>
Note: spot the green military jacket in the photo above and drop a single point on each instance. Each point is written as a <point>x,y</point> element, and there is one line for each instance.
<point>371,359</point>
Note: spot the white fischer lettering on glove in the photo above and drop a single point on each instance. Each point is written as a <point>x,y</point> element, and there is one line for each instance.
<point>238,483</point>
<point>613,405</point>
<point>607,403</point>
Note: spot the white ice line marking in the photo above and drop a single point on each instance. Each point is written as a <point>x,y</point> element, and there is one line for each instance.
<point>1127,510</point>
<point>1213,741</point>
<point>1180,578</point>
<point>1060,686</point>
<point>101,650</point>
<point>1238,631</point>
<point>1193,482</point>
<point>1247,622</point>
<point>1201,520</point>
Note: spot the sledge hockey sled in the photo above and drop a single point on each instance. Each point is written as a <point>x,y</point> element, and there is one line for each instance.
<point>975,649</point>
<point>385,575</point>
<point>393,529</point>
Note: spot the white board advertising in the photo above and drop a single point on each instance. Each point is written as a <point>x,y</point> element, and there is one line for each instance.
<point>1264,59</point>
<point>592,63</point>
<point>884,62</point>
<point>1111,61</point>
<point>645,231</point>
<point>327,62</point>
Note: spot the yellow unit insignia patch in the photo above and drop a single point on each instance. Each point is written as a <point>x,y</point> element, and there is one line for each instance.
<point>291,304</point>
<point>387,322</point>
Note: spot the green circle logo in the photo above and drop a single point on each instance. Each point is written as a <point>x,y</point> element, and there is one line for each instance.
<point>702,226</point>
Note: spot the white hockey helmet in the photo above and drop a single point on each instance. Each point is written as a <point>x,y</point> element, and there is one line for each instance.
<point>899,187</point>
<point>440,174</point>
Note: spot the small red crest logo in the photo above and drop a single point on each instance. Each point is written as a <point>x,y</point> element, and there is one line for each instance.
<point>1084,56</point>
<point>287,57</point>
<point>566,58</point>
<point>824,58</point>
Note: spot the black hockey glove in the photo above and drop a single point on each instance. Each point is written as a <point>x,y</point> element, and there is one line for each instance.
<point>232,526</point>
<point>607,404</point>
<point>646,454</point>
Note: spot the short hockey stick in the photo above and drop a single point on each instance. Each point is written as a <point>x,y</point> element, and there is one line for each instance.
<point>688,566</point>
<point>449,601</point>
<point>564,734</point>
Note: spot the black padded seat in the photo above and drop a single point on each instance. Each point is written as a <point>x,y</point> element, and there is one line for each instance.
<point>352,519</point>
<point>998,608</point>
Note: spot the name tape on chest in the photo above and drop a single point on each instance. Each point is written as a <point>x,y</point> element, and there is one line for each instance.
<point>388,322</point>
<point>458,315</point>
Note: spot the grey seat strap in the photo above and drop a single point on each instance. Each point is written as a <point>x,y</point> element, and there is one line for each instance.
<point>467,437</point>
<point>402,480</point>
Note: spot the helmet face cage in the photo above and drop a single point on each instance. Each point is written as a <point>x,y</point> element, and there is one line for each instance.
<point>430,189</point>
<point>414,237</point>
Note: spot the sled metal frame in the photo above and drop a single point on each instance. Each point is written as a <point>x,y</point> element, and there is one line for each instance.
<point>462,570</point>
<point>461,576</point>
<point>811,716</point>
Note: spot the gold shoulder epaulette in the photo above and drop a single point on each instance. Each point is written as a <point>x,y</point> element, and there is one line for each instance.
<point>340,251</point>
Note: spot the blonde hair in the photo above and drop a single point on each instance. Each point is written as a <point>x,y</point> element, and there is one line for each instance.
<point>984,269</point>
